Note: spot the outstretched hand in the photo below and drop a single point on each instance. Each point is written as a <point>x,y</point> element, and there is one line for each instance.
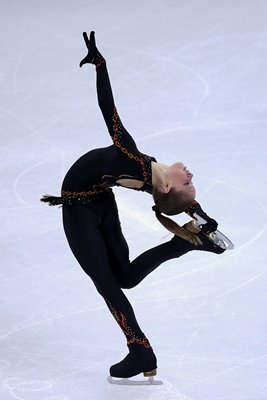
<point>210,225</point>
<point>91,46</point>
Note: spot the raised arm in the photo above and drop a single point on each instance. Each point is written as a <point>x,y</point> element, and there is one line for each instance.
<point>121,138</point>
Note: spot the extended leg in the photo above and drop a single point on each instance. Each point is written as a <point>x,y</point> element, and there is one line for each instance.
<point>129,274</point>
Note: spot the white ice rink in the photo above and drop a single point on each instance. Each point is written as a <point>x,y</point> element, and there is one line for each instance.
<point>189,81</point>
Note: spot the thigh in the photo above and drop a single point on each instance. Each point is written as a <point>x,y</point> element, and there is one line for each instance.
<point>81,226</point>
<point>116,244</point>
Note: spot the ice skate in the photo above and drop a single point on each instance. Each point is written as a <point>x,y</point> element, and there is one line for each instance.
<point>132,382</point>
<point>139,360</point>
<point>217,237</point>
<point>206,227</point>
<point>207,242</point>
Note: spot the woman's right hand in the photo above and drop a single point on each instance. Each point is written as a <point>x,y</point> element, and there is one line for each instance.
<point>92,50</point>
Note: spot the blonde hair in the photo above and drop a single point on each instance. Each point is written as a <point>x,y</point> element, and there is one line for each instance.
<point>173,203</point>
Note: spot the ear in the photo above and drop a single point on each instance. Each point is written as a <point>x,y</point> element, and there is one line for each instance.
<point>166,188</point>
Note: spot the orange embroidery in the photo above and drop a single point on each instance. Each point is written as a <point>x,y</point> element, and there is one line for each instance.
<point>118,142</point>
<point>143,342</point>
<point>122,321</point>
<point>66,193</point>
<point>99,60</point>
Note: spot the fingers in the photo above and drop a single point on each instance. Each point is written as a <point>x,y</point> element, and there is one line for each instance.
<point>90,44</point>
<point>83,62</point>
<point>92,38</point>
<point>210,226</point>
<point>86,39</point>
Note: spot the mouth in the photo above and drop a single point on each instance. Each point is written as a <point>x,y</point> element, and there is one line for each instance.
<point>189,179</point>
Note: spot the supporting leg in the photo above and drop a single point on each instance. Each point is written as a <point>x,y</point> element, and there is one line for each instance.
<point>82,227</point>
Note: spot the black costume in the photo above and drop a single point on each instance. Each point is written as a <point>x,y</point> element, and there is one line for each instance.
<point>93,230</point>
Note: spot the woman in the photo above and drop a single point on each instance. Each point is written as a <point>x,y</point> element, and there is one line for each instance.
<point>92,225</point>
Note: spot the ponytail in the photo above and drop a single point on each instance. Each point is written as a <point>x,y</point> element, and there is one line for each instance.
<point>176,229</point>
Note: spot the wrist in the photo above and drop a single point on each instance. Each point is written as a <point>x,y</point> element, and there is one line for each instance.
<point>99,60</point>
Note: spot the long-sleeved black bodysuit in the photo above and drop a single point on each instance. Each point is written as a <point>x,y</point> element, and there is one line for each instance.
<point>93,229</point>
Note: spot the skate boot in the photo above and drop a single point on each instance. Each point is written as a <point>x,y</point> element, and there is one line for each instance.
<point>93,56</point>
<point>206,229</point>
<point>140,359</point>
<point>210,241</point>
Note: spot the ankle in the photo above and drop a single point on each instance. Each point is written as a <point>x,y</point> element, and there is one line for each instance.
<point>138,344</point>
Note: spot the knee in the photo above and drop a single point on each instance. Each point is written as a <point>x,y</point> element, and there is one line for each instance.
<point>127,284</point>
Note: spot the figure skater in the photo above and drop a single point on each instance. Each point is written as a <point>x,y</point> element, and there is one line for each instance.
<point>92,226</point>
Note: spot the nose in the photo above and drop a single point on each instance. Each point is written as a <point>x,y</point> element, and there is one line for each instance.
<point>189,174</point>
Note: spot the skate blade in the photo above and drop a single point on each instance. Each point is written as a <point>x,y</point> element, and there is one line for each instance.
<point>221,240</point>
<point>130,382</point>
<point>217,237</point>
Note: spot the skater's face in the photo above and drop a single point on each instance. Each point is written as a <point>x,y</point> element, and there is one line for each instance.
<point>180,179</point>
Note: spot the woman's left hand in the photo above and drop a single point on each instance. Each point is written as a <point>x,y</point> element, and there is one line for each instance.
<point>210,226</point>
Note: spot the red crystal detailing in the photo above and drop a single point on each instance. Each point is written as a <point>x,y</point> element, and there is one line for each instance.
<point>144,342</point>
<point>66,193</point>
<point>100,63</point>
<point>100,60</point>
<point>117,141</point>
<point>122,321</point>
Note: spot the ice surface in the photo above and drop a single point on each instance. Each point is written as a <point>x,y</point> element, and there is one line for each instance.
<point>189,80</point>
